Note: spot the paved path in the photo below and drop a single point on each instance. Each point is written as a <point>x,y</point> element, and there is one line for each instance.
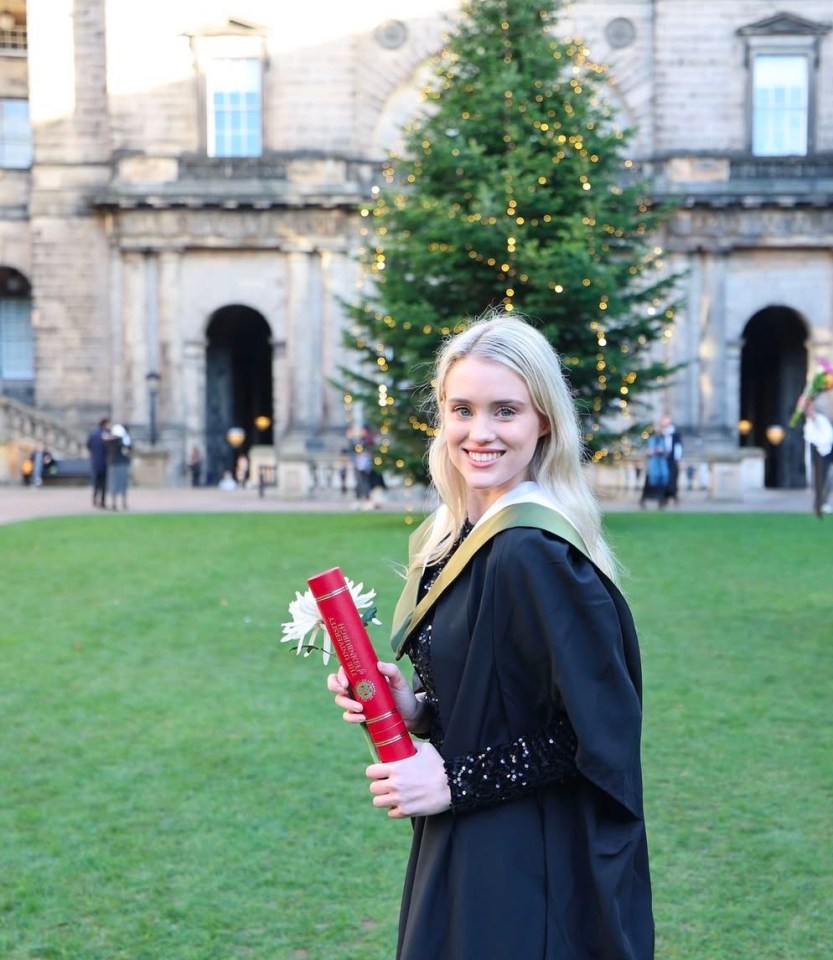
<point>24,503</point>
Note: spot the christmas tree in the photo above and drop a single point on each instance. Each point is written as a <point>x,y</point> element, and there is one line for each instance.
<point>513,190</point>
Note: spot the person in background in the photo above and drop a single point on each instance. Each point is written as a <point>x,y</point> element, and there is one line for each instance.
<point>378,486</point>
<point>118,449</point>
<point>656,469</point>
<point>98,461</point>
<point>673,454</point>
<point>195,465</point>
<point>241,470</point>
<point>818,434</point>
<point>38,465</point>
<point>27,469</point>
<point>363,468</point>
<point>526,789</point>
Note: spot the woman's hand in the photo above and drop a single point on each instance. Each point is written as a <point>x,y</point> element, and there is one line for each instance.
<point>416,787</point>
<point>410,707</point>
<point>353,709</point>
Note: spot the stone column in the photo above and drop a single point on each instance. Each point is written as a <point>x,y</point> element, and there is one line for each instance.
<point>134,337</point>
<point>732,350</point>
<point>117,330</point>
<point>151,278</point>
<point>711,326</point>
<point>192,393</point>
<point>317,358</point>
<point>330,353</point>
<point>304,345</point>
<point>341,274</point>
<point>304,378</point>
<point>688,326</point>
<point>169,341</point>
<point>281,389</point>
<point>297,342</point>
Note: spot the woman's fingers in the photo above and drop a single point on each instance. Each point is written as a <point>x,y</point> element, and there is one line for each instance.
<point>337,682</point>
<point>353,710</point>
<point>393,674</point>
<point>417,786</point>
<point>383,794</point>
<point>385,797</point>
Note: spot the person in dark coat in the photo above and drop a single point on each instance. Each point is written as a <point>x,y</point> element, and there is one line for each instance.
<point>96,444</point>
<point>525,793</point>
<point>195,466</point>
<point>118,449</point>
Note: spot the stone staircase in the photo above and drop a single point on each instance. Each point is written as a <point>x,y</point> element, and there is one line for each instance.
<point>22,427</point>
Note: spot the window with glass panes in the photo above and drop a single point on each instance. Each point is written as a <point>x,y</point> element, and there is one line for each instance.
<point>780,104</point>
<point>234,99</point>
<point>15,135</point>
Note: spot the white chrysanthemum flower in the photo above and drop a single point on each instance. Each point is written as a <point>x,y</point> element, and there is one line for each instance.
<point>306,619</point>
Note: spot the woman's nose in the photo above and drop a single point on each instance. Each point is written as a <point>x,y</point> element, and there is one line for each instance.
<point>481,428</point>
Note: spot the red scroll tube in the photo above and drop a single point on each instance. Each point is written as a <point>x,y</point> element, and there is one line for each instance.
<point>355,652</point>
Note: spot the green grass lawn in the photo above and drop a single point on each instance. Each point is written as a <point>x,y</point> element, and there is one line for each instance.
<point>176,785</point>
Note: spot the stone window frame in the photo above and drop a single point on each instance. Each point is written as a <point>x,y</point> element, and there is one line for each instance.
<point>237,40</point>
<point>787,36</point>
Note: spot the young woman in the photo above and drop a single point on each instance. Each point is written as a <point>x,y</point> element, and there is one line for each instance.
<point>526,791</point>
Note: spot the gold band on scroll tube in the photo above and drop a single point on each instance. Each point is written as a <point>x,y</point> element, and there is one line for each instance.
<point>386,743</point>
<point>383,716</point>
<point>332,593</point>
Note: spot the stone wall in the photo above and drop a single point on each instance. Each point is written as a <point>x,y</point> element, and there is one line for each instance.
<point>131,242</point>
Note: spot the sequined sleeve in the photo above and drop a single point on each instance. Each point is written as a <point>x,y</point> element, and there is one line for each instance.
<point>510,770</point>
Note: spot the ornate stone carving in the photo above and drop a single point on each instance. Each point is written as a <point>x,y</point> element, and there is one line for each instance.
<point>620,33</point>
<point>391,34</point>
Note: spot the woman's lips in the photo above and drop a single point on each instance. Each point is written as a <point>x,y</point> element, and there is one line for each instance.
<point>484,456</point>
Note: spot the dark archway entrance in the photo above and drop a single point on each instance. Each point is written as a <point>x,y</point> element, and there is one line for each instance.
<point>17,342</point>
<point>773,369</point>
<point>238,384</point>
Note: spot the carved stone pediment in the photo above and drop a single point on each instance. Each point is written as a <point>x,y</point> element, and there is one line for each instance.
<point>231,27</point>
<point>784,24</point>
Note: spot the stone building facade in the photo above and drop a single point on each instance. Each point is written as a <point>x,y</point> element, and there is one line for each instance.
<point>179,187</point>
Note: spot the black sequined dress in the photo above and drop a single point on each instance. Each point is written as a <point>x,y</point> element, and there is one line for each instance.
<point>530,666</point>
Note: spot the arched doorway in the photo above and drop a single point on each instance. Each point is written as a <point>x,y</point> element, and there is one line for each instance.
<point>772,375</point>
<point>238,384</point>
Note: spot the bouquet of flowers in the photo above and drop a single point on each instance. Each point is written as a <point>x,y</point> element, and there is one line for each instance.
<point>820,383</point>
<point>333,603</point>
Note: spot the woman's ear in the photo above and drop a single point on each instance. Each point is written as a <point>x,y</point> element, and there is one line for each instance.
<point>544,426</point>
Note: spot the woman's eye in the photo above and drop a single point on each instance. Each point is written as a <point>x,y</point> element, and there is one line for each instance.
<point>505,411</point>
<point>461,410</point>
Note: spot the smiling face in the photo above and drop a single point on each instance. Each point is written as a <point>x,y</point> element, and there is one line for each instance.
<point>491,429</point>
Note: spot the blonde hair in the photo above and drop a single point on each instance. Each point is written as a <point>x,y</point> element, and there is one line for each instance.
<point>511,341</point>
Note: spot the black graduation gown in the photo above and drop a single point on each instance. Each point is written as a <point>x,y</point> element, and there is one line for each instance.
<point>531,627</point>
